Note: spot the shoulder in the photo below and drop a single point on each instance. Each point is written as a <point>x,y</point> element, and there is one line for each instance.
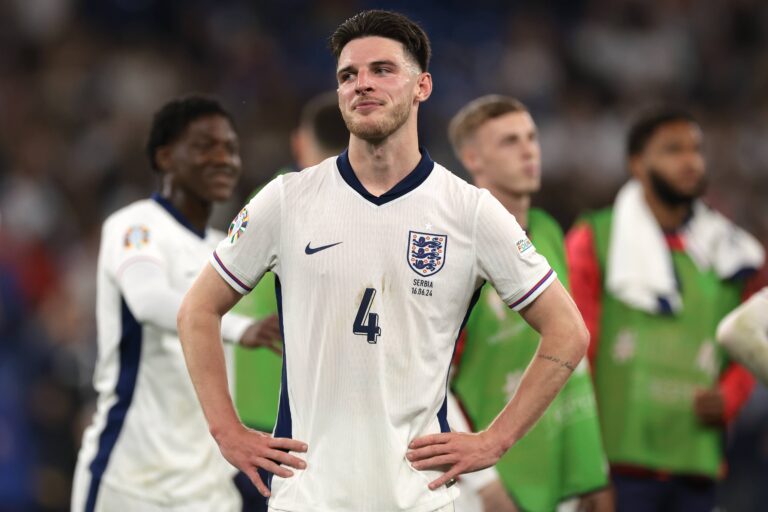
<point>309,176</point>
<point>455,189</point>
<point>142,212</point>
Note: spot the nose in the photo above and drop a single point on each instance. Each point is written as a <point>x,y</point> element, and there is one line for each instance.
<point>221,155</point>
<point>530,148</point>
<point>363,83</point>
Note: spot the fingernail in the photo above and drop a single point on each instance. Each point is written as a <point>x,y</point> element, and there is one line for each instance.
<point>408,455</point>
<point>304,447</point>
<point>302,465</point>
<point>416,465</point>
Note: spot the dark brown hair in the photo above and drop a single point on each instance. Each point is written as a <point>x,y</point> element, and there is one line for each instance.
<point>646,124</point>
<point>391,25</point>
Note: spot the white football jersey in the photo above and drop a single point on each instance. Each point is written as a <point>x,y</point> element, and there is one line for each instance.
<point>372,293</point>
<point>149,438</point>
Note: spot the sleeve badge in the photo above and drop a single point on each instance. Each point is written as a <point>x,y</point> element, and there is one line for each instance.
<point>238,226</point>
<point>136,237</point>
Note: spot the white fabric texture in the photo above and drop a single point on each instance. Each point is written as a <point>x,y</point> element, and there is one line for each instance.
<point>639,268</point>
<point>744,334</point>
<point>151,299</point>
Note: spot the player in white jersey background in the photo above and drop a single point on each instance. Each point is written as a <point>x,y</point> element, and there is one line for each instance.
<point>148,447</point>
<point>378,255</point>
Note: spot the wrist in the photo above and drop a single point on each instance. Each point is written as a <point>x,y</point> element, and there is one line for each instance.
<point>500,441</point>
<point>221,429</point>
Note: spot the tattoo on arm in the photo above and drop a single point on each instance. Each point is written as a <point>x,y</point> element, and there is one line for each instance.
<point>562,363</point>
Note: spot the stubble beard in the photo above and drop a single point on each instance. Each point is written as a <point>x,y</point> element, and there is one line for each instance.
<point>671,196</point>
<point>383,128</point>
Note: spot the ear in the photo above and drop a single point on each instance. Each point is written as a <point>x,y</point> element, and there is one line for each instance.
<point>163,158</point>
<point>423,87</point>
<point>470,158</point>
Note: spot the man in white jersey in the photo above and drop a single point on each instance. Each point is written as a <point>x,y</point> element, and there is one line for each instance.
<point>148,447</point>
<point>378,254</point>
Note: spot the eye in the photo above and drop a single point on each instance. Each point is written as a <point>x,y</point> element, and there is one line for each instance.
<point>345,77</point>
<point>202,145</point>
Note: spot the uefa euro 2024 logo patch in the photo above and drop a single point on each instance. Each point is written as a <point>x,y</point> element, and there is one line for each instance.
<point>136,237</point>
<point>523,245</point>
<point>238,226</point>
<point>426,252</point>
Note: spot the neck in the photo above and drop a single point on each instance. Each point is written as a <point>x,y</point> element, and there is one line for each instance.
<point>669,217</point>
<point>196,210</point>
<point>382,164</point>
<point>517,204</point>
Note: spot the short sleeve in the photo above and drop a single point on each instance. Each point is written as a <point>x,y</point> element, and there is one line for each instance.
<point>251,246</point>
<point>505,256</point>
<point>126,241</point>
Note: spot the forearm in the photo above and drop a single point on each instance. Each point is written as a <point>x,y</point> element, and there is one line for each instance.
<point>199,328</point>
<point>554,361</point>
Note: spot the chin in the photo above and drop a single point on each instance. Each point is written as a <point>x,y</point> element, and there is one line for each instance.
<point>220,195</point>
<point>368,131</point>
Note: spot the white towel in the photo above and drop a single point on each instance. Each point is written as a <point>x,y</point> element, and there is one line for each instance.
<point>639,267</point>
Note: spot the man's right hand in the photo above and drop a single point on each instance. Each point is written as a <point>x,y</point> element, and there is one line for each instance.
<point>250,450</point>
<point>264,333</point>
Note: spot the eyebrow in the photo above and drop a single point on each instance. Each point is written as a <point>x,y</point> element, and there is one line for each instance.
<point>374,63</point>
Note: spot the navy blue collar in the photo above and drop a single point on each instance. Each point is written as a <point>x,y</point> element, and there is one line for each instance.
<point>176,214</point>
<point>415,178</point>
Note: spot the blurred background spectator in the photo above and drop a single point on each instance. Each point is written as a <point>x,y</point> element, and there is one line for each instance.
<point>79,80</point>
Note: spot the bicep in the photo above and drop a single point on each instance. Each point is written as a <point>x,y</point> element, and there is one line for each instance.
<point>211,293</point>
<point>553,311</point>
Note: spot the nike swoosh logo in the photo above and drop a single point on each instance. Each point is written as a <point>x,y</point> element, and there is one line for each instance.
<point>313,250</point>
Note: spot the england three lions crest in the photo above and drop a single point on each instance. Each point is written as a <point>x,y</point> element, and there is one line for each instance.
<point>426,252</point>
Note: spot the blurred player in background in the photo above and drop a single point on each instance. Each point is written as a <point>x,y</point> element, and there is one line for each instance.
<point>744,334</point>
<point>653,275</point>
<point>562,456</point>
<point>321,134</point>
<point>148,447</point>
<point>378,255</point>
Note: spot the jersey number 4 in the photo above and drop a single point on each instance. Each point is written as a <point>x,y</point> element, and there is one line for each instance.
<point>370,329</point>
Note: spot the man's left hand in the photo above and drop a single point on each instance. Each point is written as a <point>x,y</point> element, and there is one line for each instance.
<point>459,452</point>
<point>709,406</point>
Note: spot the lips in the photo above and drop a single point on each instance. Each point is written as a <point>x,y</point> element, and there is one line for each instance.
<point>222,174</point>
<point>366,105</point>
